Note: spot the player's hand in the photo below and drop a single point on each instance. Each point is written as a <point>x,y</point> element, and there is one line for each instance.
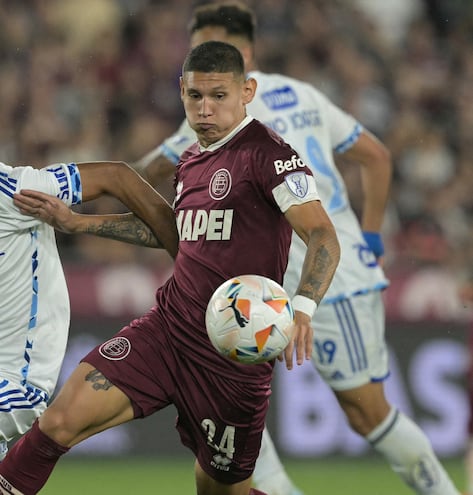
<point>45,207</point>
<point>301,341</point>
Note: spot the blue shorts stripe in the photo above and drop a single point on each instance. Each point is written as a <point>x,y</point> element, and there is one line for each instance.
<point>345,336</point>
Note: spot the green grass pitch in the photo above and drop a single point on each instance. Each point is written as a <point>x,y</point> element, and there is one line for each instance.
<point>334,476</point>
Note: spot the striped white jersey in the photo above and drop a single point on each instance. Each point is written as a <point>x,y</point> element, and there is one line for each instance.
<point>34,302</point>
<point>315,128</point>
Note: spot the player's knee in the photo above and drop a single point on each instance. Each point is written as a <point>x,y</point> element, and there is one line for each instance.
<point>58,425</point>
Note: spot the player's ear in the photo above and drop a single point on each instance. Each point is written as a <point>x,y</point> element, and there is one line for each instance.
<point>249,90</point>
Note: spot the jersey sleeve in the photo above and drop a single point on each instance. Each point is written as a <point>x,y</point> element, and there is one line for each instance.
<point>60,180</point>
<point>286,179</point>
<point>344,129</point>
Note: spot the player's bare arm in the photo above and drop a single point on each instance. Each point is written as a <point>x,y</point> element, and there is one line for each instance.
<point>121,181</point>
<point>125,227</point>
<point>311,223</point>
<point>376,170</point>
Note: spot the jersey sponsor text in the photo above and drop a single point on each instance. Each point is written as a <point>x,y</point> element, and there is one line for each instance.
<point>214,225</point>
<point>287,165</point>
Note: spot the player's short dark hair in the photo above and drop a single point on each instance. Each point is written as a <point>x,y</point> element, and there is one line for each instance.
<point>235,17</point>
<point>214,56</point>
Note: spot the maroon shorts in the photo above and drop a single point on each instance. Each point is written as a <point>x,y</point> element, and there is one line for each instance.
<point>220,420</point>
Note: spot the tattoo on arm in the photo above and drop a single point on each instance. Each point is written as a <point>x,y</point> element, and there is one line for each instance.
<point>317,278</point>
<point>99,382</point>
<point>126,228</point>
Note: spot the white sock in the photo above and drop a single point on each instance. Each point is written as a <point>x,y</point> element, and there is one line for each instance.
<point>409,453</point>
<point>270,475</point>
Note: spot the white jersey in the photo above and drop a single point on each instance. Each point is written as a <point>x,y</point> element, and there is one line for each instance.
<point>315,128</point>
<point>34,302</point>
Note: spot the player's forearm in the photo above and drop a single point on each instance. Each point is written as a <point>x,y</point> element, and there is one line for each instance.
<point>125,227</point>
<point>321,261</point>
<point>376,181</point>
<point>375,196</point>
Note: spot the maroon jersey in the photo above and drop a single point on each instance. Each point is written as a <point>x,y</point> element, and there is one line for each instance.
<point>230,224</point>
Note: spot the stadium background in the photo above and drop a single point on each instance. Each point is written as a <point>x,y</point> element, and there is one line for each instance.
<point>98,79</point>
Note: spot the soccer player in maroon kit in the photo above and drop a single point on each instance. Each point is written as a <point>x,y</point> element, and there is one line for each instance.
<point>239,193</point>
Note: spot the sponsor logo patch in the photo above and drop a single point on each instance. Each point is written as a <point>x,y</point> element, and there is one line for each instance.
<point>280,98</point>
<point>115,349</point>
<point>287,165</point>
<point>220,184</point>
<point>297,184</point>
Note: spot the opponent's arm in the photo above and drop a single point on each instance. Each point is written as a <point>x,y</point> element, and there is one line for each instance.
<point>160,174</point>
<point>312,224</point>
<point>126,227</point>
<point>376,170</point>
<point>120,180</point>
<point>159,165</point>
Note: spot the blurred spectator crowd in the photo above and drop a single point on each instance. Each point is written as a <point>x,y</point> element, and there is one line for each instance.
<point>98,79</point>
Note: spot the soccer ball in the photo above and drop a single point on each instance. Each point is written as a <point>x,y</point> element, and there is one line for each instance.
<point>249,319</point>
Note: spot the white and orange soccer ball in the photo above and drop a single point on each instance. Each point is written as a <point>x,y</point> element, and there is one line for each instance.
<point>249,319</point>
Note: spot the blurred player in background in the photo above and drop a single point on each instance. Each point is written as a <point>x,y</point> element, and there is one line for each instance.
<point>34,302</point>
<point>236,209</point>
<point>350,349</point>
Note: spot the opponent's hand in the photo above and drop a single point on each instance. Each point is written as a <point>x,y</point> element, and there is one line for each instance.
<point>45,207</point>
<point>301,341</point>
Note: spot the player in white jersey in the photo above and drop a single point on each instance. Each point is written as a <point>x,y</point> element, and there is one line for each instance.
<point>350,349</point>
<point>34,302</point>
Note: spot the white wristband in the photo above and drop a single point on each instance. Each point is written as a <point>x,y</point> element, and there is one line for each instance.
<point>304,304</point>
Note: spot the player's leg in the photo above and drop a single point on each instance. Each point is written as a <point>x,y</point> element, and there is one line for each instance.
<point>88,403</point>
<point>353,330</point>
<point>221,420</point>
<point>397,438</point>
<point>209,486</point>
<point>270,474</point>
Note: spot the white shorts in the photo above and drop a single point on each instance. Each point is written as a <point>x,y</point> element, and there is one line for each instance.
<point>19,407</point>
<point>350,349</point>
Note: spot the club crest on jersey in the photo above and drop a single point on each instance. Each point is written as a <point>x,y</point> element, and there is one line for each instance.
<point>220,184</point>
<point>297,184</point>
<point>115,349</point>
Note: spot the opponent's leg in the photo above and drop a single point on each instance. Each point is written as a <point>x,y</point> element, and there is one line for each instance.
<point>269,474</point>
<point>87,404</point>
<point>397,438</point>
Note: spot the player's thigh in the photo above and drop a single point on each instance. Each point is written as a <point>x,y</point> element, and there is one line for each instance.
<point>209,486</point>
<point>349,345</point>
<point>87,404</point>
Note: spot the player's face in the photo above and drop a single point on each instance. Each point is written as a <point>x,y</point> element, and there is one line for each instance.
<point>215,103</point>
